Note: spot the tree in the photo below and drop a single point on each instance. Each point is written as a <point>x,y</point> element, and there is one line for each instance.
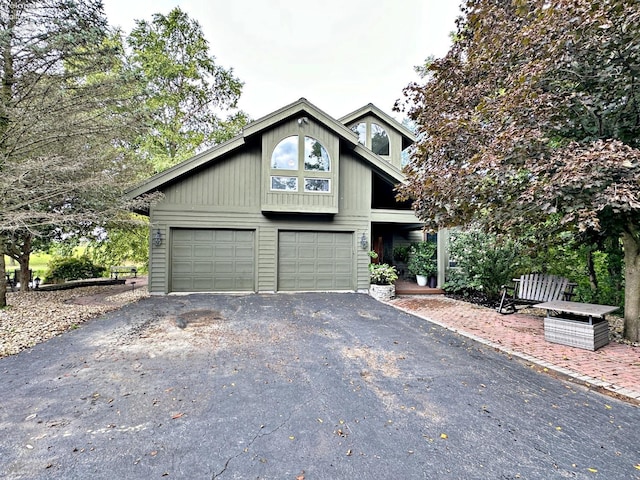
<point>185,89</point>
<point>65,115</point>
<point>535,111</point>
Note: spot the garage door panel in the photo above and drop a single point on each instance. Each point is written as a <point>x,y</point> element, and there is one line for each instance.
<point>315,261</point>
<point>183,252</point>
<point>203,267</point>
<point>204,260</point>
<point>202,236</point>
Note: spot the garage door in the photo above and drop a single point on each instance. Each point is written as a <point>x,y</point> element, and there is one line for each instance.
<point>212,260</point>
<point>315,261</point>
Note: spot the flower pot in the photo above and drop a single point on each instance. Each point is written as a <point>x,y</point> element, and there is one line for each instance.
<point>422,280</point>
<point>382,292</point>
<point>433,281</point>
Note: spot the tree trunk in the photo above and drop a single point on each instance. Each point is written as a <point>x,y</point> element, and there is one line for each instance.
<point>3,280</point>
<point>593,278</point>
<point>23,261</point>
<point>631,246</point>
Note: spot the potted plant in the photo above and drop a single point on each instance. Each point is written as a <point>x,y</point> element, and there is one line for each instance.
<point>422,261</point>
<point>382,277</point>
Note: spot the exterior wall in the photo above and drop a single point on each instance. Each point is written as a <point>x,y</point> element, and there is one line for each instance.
<point>228,195</point>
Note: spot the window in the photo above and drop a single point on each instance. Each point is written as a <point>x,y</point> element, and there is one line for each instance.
<point>286,184</point>
<point>287,156</point>
<point>361,130</point>
<point>379,140</point>
<point>316,157</point>
<point>316,185</point>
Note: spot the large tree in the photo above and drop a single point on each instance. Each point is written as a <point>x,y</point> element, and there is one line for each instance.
<point>535,111</point>
<point>186,90</point>
<point>65,114</point>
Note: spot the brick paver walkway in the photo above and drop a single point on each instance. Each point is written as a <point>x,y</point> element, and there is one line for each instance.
<point>615,367</point>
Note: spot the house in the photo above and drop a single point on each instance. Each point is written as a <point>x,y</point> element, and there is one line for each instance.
<point>293,203</point>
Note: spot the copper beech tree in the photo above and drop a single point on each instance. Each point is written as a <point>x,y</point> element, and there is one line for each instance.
<point>535,112</point>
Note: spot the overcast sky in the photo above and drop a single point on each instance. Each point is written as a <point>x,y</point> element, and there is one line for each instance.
<point>338,54</point>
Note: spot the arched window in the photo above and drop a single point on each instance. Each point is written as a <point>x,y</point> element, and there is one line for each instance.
<point>379,140</point>
<point>361,130</point>
<point>285,155</point>
<point>316,157</point>
<point>315,161</point>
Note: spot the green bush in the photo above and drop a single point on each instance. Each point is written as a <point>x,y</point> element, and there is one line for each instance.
<point>72,268</point>
<point>422,259</point>
<point>482,263</point>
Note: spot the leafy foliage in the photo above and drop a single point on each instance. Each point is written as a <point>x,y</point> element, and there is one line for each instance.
<point>381,273</point>
<point>483,263</point>
<point>72,268</point>
<point>122,246</point>
<point>184,89</point>
<point>534,112</point>
<point>422,259</point>
<point>66,115</point>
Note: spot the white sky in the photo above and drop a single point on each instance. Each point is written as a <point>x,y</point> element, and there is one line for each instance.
<point>338,54</point>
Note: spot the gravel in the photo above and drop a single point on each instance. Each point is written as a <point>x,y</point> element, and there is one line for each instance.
<point>35,316</point>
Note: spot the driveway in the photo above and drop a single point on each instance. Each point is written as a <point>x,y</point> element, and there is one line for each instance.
<point>300,386</point>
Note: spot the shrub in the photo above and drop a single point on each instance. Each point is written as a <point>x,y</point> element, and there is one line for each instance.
<point>482,263</point>
<point>72,268</point>
<point>422,259</point>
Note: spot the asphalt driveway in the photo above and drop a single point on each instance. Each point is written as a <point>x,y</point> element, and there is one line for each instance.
<point>301,386</point>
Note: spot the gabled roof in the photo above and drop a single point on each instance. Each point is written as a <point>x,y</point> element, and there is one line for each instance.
<point>302,106</point>
<point>370,109</point>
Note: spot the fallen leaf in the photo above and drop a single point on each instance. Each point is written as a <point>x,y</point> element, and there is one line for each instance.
<point>593,470</point>
<point>300,477</point>
<point>444,436</point>
<point>153,453</point>
<point>177,415</point>
<point>608,407</point>
<point>349,453</point>
<point>558,428</point>
<point>292,437</point>
<point>637,466</point>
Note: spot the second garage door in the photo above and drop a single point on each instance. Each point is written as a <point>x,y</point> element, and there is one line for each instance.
<point>315,261</point>
<point>206,260</point>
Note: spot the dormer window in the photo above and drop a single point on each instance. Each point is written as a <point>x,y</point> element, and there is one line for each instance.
<point>361,130</point>
<point>377,140</point>
<point>315,161</point>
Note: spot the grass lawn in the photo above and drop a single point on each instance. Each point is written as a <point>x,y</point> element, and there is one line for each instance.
<point>38,263</point>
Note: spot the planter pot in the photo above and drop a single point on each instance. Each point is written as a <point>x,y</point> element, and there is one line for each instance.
<point>422,280</point>
<point>433,281</point>
<point>382,292</point>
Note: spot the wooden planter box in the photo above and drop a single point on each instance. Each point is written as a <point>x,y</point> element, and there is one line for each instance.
<point>576,333</point>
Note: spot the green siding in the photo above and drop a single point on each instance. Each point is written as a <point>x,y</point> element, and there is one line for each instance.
<point>232,183</point>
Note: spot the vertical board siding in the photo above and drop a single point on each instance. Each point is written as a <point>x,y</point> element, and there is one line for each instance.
<point>232,182</point>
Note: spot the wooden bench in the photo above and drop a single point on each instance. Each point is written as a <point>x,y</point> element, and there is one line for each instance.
<point>123,270</point>
<point>534,288</point>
